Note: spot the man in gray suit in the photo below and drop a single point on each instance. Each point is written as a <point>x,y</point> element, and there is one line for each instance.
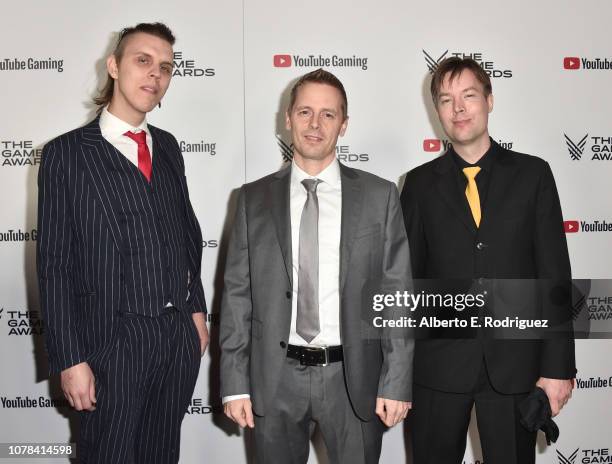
<point>311,245</point>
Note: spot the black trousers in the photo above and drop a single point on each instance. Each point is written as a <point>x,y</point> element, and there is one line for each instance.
<point>144,382</point>
<point>441,420</point>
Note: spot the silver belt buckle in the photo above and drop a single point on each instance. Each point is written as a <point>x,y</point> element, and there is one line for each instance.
<point>316,350</point>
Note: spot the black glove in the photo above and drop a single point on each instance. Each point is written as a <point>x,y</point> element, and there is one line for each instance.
<point>537,415</point>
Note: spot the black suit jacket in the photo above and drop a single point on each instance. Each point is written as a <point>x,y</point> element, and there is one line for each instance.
<point>521,237</point>
<point>81,247</point>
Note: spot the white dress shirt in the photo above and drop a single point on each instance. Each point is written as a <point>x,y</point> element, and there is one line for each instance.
<point>329,194</point>
<point>113,128</point>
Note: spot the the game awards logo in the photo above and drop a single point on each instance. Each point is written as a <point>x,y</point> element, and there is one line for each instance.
<point>432,63</point>
<point>488,65</point>
<point>285,149</point>
<point>571,459</point>
<point>189,67</point>
<point>576,149</point>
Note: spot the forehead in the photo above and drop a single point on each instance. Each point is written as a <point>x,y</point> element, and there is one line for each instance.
<point>463,80</point>
<point>141,42</point>
<point>318,94</point>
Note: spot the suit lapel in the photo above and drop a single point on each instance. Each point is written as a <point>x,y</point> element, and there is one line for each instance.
<point>451,193</point>
<point>100,165</point>
<point>352,203</point>
<point>503,179</point>
<point>161,147</point>
<point>278,203</point>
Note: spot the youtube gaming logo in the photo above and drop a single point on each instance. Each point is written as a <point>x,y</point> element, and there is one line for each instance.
<point>571,62</point>
<point>282,61</point>
<point>570,227</point>
<point>432,145</point>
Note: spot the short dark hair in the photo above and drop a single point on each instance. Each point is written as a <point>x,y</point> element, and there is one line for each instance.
<point>157,29</point>
<point>319,76</point>
<point>455,66</point>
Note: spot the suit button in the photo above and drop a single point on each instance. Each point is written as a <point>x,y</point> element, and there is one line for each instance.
<point>288,295</point>
<point>480,246</point>
<point>283,345</point>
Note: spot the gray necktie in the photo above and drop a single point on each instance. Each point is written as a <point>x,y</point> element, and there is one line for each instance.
<point>308,274</point>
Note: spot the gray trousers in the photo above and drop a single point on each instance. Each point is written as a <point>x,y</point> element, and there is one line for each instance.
<point>309,395</point>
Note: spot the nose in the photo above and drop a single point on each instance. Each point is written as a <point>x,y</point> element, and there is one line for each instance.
<point>314,121</point>
<point>155,71</point>
<point>458,105</point>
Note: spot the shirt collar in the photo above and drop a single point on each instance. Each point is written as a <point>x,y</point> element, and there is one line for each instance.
<point>484,162</point>
<point>330,175</point>
<point>115,127</point>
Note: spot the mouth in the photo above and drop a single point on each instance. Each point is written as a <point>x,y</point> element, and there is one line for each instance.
<point>149,89</point>
<point>461,122</point>
<point>313,138</point>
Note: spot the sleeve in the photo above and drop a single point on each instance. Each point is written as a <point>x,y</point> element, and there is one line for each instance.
<point>414,227</point>
<point>54,261</point>
<point>397,344</point>
<point>558,359</point>
<point>196,301</point>
<point>236,309</point>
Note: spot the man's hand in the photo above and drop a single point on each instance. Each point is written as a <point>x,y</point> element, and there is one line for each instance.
<point>392,411</point>
<point>199,319</point>
<point>79,387</point>
<point>240,411</point>
<point>558,391</point>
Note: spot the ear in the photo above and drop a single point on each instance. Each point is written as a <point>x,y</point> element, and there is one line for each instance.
<point>344,126</point>
<point>490,102</point>
<point>112,67</point>
<point>287,121</point>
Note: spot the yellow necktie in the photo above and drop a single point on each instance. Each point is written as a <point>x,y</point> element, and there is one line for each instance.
<point>471,192</point>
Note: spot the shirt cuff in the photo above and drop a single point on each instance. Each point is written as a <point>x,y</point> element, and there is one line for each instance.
<point>225,399</point>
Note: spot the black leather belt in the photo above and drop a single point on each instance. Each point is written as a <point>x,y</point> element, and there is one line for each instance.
<point>315,356</point>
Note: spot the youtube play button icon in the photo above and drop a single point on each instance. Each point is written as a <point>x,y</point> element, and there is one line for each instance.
<point>432,145</point>
<point>571,62</point>
<point>570,226</point>
<point>282,61</point>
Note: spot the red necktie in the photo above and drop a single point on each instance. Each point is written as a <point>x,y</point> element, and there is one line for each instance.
<point>144,156</point>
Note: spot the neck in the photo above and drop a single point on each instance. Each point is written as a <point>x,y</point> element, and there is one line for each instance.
<point>133,118</point>
<point>473,151</point>
<point>311,166</point>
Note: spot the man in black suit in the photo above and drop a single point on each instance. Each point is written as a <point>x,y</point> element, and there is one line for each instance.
<point>484,214</point>
<point>119,257</point>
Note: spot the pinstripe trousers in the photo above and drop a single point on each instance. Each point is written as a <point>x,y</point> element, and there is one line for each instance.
<point>144,382</point>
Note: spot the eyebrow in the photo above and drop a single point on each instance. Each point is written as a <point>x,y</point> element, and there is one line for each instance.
<point>148,55</point>
<point>469,89</point>
<point>303,107</point>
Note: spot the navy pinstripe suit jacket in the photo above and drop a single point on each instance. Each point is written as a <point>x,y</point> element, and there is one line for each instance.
<point>83,244</point>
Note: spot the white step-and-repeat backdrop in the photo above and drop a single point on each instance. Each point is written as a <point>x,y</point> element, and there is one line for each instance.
<point>235,61</point>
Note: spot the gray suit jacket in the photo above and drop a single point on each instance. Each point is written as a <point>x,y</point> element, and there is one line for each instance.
<point>256,307</point>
